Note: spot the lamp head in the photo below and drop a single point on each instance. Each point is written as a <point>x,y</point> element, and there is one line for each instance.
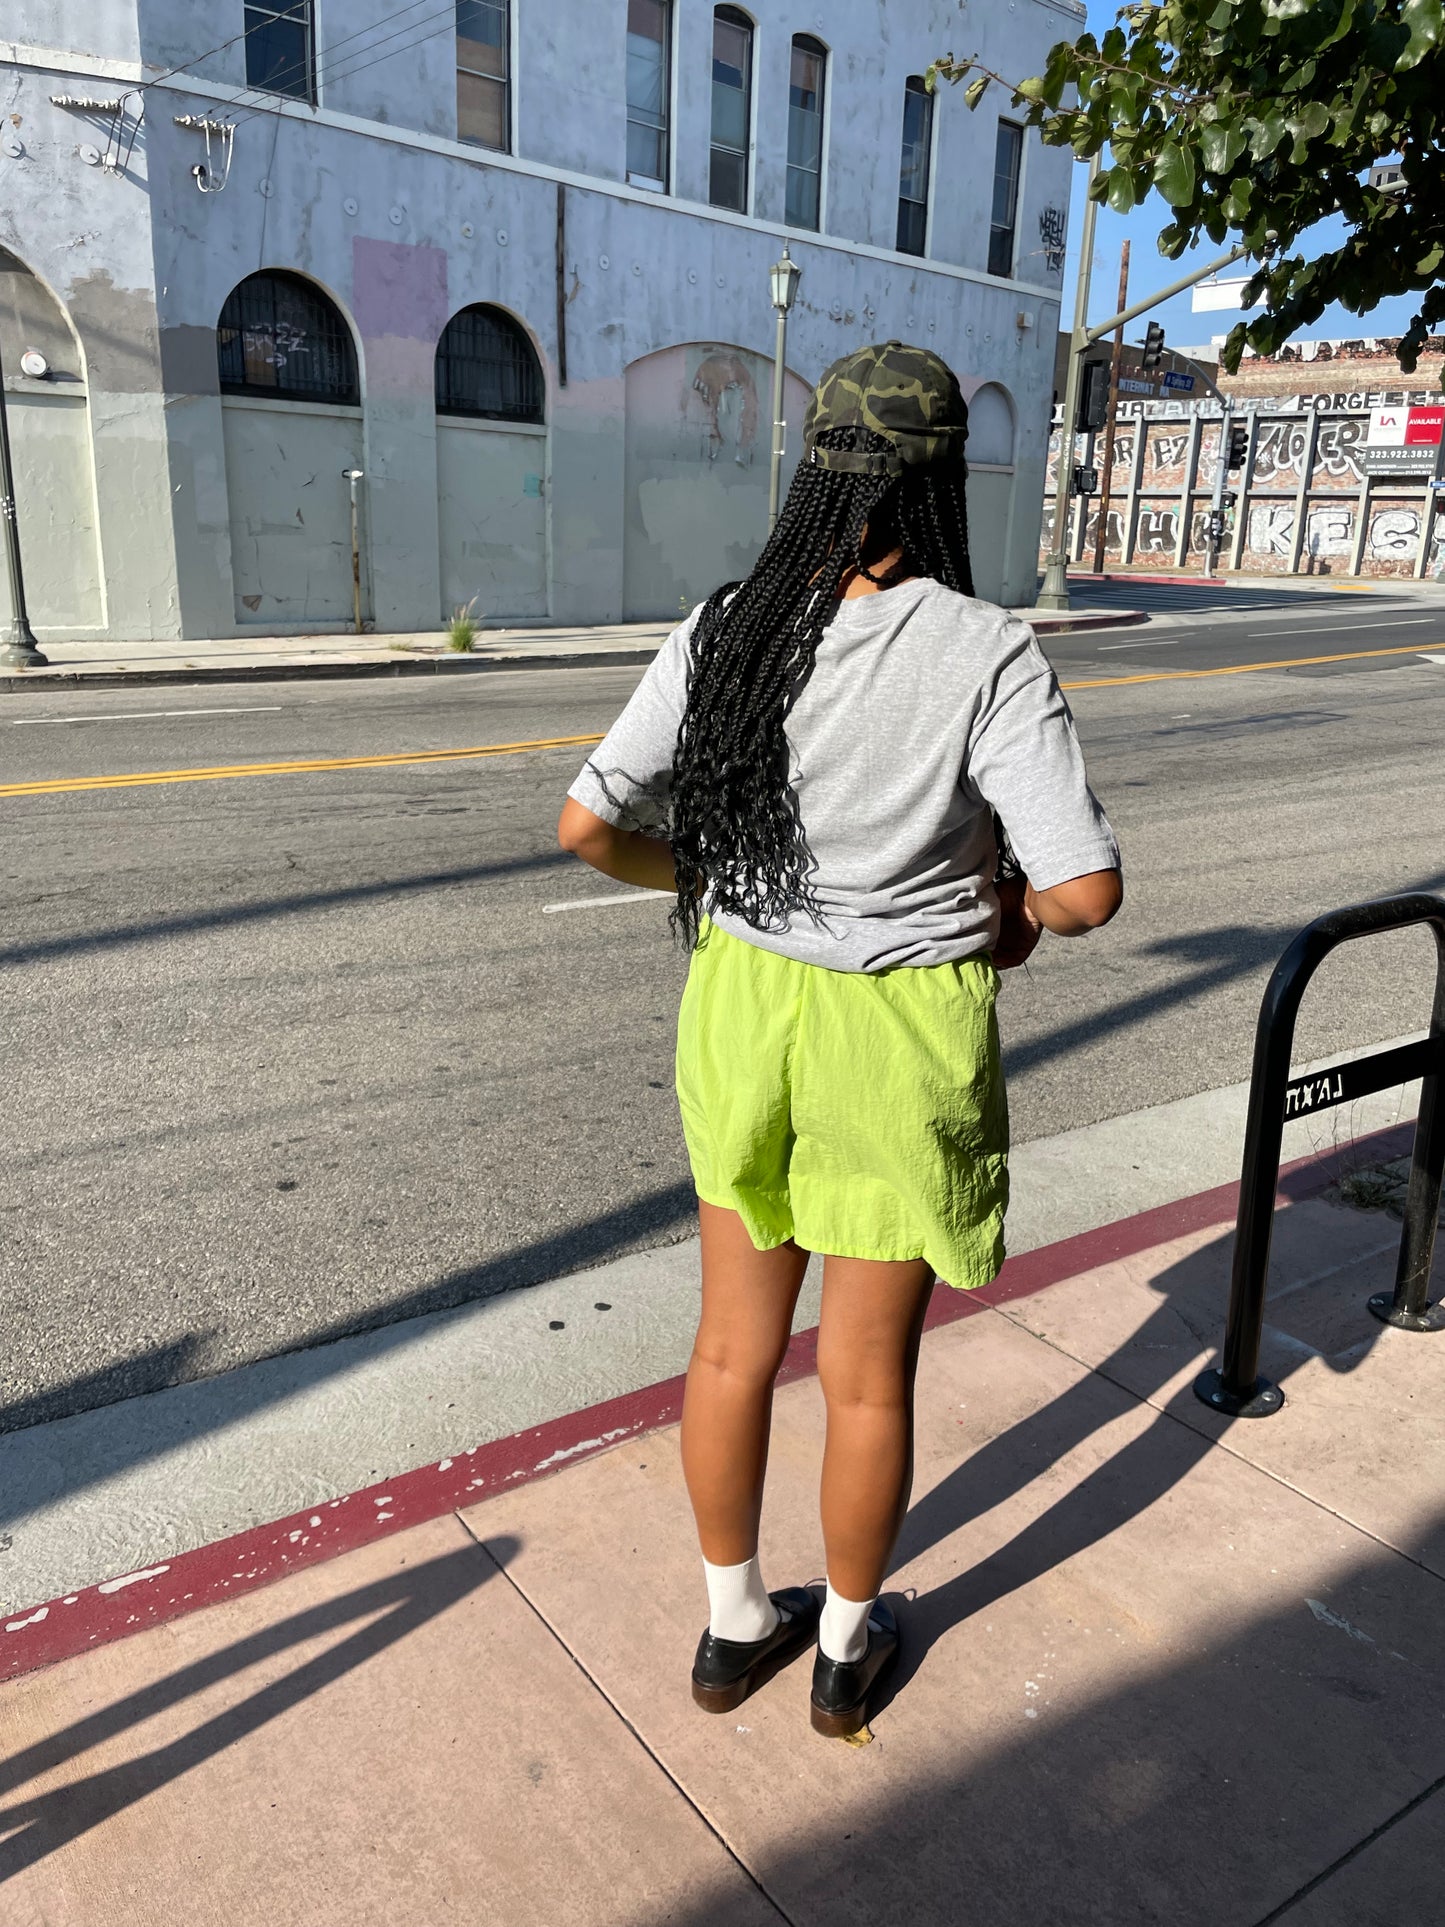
<point>785,276</point>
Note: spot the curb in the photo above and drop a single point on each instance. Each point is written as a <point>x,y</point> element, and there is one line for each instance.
<point>133,1602</point>
<point>402,665</point>
<point>318,671</point>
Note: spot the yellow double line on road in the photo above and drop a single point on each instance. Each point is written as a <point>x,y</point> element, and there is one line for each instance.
<point>60,785</point>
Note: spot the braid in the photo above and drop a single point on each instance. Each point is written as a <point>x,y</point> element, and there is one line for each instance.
<point>735,829</point>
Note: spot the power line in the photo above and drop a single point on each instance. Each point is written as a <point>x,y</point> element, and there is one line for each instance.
<point>347,72</point>
<point>253,96</point>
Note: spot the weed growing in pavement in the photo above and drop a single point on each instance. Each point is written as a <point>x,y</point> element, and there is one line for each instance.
<point>462,629</point>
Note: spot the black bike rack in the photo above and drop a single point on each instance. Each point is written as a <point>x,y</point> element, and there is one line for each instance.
<point>1236,1388</point>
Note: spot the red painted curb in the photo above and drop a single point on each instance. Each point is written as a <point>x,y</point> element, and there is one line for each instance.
<point>133,1602</point>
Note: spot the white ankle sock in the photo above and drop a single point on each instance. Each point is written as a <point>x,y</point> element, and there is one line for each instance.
<point>738,1600</point>
<point>843,1629</point>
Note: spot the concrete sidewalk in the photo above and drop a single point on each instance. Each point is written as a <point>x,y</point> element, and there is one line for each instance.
<point>97,663</point>
<point>1158,1667</point>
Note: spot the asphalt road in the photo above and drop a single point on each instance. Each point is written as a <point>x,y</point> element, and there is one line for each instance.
<point>291,1056</point>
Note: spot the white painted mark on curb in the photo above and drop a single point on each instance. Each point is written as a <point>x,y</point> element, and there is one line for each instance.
<point>587,1445</point>
<point>130,1578</point>
<point>19,1625</point>
<point>603,903</point>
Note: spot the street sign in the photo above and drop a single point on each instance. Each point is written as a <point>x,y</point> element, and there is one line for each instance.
<point>1173,379</point>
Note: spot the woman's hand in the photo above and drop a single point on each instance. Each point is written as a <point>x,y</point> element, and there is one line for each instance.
<point>1019,929</point>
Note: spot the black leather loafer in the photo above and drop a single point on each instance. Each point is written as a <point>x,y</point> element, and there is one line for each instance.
<point>727,1670</point>
<point>841,1688</point>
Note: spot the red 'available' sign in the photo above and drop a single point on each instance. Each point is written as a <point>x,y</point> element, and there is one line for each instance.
<point>1424,427</point>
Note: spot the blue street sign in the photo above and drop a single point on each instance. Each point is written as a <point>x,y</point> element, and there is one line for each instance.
<point>1173,379</point>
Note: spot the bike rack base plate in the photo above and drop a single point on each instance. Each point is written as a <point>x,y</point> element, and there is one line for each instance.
<point>1263,1399</point>
<point>1432,1319</point>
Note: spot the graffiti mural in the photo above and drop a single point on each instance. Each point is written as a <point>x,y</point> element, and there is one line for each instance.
<point>1279,454</point>
<point>1392,536</point>
<point>1166,451</point>
<point>1335,466</point>
<point>1156,533</point>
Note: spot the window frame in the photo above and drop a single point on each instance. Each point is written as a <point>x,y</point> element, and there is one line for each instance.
<point>1011,228</point>
<point>731,16</point>
<point>525,351</point>
<point>305,11</point>
<point>342,344</point>
<point>504,80</point>
<point>810,44</point>
<point>915,87</point>
<point>658,184</point>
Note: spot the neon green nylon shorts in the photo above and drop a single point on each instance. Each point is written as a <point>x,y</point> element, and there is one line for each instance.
<point>862,1114</point>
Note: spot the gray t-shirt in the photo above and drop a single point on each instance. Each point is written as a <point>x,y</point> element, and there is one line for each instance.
<point>925,712</point>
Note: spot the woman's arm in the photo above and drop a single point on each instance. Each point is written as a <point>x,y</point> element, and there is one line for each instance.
<point>1069,910</point>
<point>627,855</point>
<point>1080,905</point>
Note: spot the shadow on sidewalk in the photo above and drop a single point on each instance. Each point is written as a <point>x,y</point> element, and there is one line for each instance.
<point>1146,1470</point>
<point>405,1600</point>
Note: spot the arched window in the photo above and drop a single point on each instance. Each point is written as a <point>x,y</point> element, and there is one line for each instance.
<point>279,335</point>
<point>805,132</point>
<point>486,366</point>
<point>732,96</point>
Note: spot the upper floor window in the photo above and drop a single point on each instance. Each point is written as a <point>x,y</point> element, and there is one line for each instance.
<point>483,74</point>
<point>487,366</point>
<point>1007,166</point>
<point>913,176</point>
<point>279,335</point>
<point>649,75</point>
<point>805,132</point>
<point>732,91</point>
<point>281,47</point>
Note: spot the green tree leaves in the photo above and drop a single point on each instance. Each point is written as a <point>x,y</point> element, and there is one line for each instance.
<point>1262,117</point>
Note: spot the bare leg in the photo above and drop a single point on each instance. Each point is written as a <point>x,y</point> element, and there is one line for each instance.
<point>748,1298</point>
<point>868,1342</point>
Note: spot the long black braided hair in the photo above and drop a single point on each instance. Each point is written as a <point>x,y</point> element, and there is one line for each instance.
<point>734,825</point>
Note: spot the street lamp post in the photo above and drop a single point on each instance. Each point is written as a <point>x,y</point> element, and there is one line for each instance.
<point>18,649</point>
<point>785,276</point>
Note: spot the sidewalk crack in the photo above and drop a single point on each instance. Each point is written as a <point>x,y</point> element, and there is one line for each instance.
<point>743,1868</point>
<point>1328,1873</point>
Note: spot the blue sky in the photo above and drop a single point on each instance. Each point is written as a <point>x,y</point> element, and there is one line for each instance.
<point>1148,269</point>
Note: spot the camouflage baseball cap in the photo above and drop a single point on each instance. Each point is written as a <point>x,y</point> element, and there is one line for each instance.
<point>907,395</point>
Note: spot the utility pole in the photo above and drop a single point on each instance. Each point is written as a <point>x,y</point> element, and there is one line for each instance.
<point>18,649</point>
<point>1055,592</point>
<point>1101,531</point>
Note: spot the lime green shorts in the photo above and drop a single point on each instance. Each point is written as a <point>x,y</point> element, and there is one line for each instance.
<point>862,1114</point>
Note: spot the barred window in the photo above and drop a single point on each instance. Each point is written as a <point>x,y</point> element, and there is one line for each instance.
<point>486,366</point>
<point>279,335</point>
<point>281,47</point>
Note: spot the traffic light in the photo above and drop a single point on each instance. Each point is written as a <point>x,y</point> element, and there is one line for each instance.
<point>1153,347</point>
<point>1238,446</point>
<point>1094,397</point>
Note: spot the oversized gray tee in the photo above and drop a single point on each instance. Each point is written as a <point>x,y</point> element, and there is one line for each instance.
<point>926,711</point>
